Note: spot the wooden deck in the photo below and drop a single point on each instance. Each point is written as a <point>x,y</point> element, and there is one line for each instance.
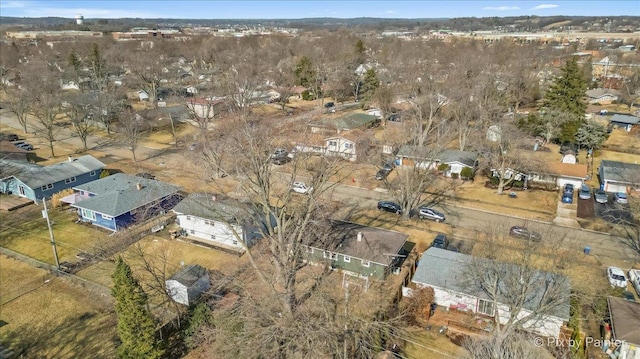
<point>10,203</point>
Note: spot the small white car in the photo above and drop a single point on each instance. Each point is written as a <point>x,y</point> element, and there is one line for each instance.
<point>616,277</point>
<point>301,187</point>
<point>634,278</point>
<point>621,198</point>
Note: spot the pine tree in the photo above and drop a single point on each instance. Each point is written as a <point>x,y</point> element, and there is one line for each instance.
<point>136,328</point>
<point>369,84</point>
<point>566,95</point>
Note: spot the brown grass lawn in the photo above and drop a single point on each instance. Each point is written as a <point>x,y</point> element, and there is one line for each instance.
<point>54,319</point>
<point>25,231</point>
<point>431,345</point>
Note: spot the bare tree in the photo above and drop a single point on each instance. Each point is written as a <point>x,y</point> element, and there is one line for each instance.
<point>77,111</point>
<point>551,121</point>
<point>384,97</point>
<point>130,127</point>
<point>20,105</point>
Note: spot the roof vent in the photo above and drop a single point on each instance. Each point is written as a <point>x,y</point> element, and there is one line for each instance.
<point>138,186</point>
<point>213,197</point>
<point>359,236</point>
<point>70,159</point>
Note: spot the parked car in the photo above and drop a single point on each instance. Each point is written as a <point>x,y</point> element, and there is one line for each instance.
<point>281,160</point>
<point>389,207</point>
<point>279,152</point>
<point>394,117</point>
<point>524,233</point>
<point>9,137</point>
<point>441,241</point>
<point>329,105</point>
<point>382,174</point>
<point>301,187</point>
<point>25,146</point>
<point>430,213</point>
<point>620,197</point>
<point>634,278</point>
<point>567,197</point>
<point>601,196</point>
<point>585,192</point>
<point>568,188</point>
<point>616,277</point>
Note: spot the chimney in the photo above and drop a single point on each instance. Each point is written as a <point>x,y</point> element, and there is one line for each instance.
<point>70,159</point>
<point>213,197</point>
<point>138,186</point>
<point>359,236</point>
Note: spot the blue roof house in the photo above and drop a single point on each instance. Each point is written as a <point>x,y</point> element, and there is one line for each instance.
<point>118,201</point>
<point>37,182</point>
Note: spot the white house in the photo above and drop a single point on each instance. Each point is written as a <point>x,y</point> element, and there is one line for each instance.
<point>424,157</point>
<point>444,271</point>
<point>602,96</point>
<point>219,222</point>
<point>556,173</point>
<point>143,95</point>
<point>625,328</point>
<point>187,284</point>
<point>204,108</point>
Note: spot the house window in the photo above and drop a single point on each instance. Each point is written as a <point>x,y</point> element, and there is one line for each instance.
<point>333,143</point>
<point>208,222</point>
<point>108,218</point>
<point>191,231</point>
<point>70,180</point>
<point>47,187</point>
<point>317,148</point>
<point>88,214</point>
<point>188,218</point>
<point>213,237</point>
<point>92,173</point>
<point>334,256</point>
<point>235,243</point>
<point>348,146</point>
<point>366,264</point>
<point>347,259</point>
<point>486,307</point>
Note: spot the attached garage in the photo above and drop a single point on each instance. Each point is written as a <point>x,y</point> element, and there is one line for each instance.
<point>613,187</point>
<point>618,176</point>
<point>566,173</point>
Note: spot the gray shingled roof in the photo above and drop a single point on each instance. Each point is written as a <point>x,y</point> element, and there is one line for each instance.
<point>597,93</point>
<point>189,274</point>
<point>444,156</point>
<point>632,120</point>
<point>620,172</point>
<point>377,245</point>
<point>204,206</point>
<point>625,320</point>
<point>36,176</point>
<point>446,269</point>
<point>118,194</point>
<point>349,122</point>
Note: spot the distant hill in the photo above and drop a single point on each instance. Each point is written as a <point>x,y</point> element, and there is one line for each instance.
<point>517,23</point>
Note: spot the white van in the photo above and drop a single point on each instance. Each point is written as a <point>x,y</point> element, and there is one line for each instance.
<point>634,278</point>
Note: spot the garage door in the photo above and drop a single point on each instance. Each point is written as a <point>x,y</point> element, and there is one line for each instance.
<point>614,187</point>
<point>563,181</point>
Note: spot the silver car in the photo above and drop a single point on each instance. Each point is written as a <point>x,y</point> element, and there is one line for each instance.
<point>585,192</point>
<point>430,213</point>
<point>601,196</point>
<point>621,198</point>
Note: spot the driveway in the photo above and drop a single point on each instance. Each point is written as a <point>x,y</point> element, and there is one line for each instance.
<point>613,212</point>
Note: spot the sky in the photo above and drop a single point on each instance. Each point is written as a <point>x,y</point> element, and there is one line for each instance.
<point>211,9</point>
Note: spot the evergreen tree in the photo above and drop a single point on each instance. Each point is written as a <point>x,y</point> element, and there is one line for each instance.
<point>304,73</point>
<point>136,328</point>
<point>566,94</point>
<point>369,84</point>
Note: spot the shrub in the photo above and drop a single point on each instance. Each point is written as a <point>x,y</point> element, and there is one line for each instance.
<point>466,173</point>
<point>104,174</point>
<point>308,95</point>
<point>56,197</point>
<point>455,175</point>
<point>443,167</point>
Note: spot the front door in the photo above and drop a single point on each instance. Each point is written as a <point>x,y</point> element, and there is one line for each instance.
<point>21,190</point>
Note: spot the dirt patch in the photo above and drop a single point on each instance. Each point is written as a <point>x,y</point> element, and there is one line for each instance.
<point>586,208</point>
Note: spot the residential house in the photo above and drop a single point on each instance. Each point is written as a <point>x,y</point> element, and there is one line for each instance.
<point>220,222</point>
<point>347,145</point>
<point>187,284</point>
<point>604,66</point>
<point>618,176</point>
<point>143,95</point>
<point>37,182</point>
<point>444,271</point>
<point>8,151</point>
<point>602,96</point>
<point>626,122</point>
<point>345,123</point>
<point>117,201</point>
<point>556,174</point>
<point>424,157</point>
<point>625,328</point>
<point>362,251</point>
<point>205,108</point>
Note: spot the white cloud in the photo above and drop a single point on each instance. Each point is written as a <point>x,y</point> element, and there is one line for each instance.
<point>545,6</point>
<point>390,12</point>
<point>13,4</point>
<point>501,8</point>
<point>89,13</point>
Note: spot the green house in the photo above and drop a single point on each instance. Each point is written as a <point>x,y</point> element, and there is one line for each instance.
<point>360,250</point>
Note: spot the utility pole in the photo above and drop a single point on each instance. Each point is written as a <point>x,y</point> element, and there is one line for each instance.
<point>346,315</point>
<point>45,214</point>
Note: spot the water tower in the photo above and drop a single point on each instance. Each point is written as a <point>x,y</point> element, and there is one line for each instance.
<point>79,19</point>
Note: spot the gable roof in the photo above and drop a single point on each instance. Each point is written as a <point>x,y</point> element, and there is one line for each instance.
<point>8,147</point>
<point>349,122</point>
<point>445,156</point>
<point>625,320</point>
<point>445,269</point>
<point>620,172</point>
<point>599,92</point>
<point>465,157</point>
<point>567,169</point>
<point>376,245</point>
<point>119,193</point>
<point>632,120</point>
<point>210,206</point>
<point>36,176</point>
<point>189,274</point>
